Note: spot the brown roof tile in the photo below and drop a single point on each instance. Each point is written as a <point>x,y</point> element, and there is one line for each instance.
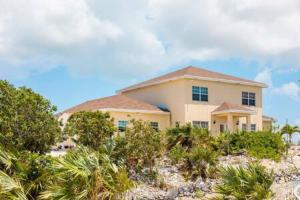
<point>195,72</point>
<point>114,102</point>
<point>229,106</point>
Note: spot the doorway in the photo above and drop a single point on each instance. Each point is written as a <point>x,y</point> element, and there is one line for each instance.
<point>223,128</point>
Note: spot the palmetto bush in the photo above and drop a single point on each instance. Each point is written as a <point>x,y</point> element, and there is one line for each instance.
<point>86,174</point>
<point>250,183</point>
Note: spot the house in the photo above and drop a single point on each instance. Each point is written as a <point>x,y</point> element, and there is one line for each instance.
<point>204,98</point>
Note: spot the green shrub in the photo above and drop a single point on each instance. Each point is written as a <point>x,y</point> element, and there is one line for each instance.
<point>257,144</point>
<point>252,182</point>
<point>27,120</point>
<point>92,129</point>
<point>139,146</point>
<point>199,160</point>
<point>177,154</point>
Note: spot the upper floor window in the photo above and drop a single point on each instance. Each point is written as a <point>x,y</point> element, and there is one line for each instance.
<point>248,98</point>
<point>200,93</point>
<point>200,124</point>
<point>122,125</point>
<point>154,125</point>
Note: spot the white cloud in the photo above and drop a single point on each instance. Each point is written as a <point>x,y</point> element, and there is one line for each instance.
<point>129,38</point>
<point>291,90</point>
<point>265,76</point>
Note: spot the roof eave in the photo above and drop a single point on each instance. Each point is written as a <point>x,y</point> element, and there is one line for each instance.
<point>251,112</point>
<point>257,84</point>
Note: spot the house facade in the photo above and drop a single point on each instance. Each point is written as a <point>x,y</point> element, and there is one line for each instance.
<point>193,95</point>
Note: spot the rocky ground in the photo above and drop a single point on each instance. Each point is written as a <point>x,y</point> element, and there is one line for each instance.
<point>173,185</point>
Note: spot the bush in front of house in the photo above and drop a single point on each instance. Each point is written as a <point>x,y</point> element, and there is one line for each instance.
<point>192,148</point>
<point>90,129</point>
<point>251,182</point>
<point>262,144</point>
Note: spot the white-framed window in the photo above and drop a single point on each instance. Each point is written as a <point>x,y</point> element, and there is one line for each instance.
<point>253,127</point>
<point>244,127</point>
<point>248,98</point>
<point>122,125</point>
<point>199,93</point>
<point>200,124</point>
<point>154,125</point>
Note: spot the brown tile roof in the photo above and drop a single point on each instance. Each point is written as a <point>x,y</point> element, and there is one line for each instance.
<point>114,102</point>
<point>193,72</point>
<point>229,106</point>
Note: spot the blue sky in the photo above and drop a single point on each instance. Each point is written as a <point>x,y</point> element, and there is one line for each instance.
<point>72,51</point>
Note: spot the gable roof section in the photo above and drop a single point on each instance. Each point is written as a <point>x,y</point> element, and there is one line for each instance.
<point>229,107</point>
<point>116,103</point>
<point>193,73</point>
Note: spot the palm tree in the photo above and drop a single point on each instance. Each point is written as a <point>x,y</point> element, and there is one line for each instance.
<point>10,187</point>
<point>252,182</point>
<point>85,174</point>
<point>290,130</point>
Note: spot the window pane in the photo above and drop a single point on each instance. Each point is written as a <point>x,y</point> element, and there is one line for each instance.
<point>251,95</point>
<point>244,127</point>
<point>204,90</point>
<point>196,123</point>
<point>204,124</point>
<point>154,125</point>
<point>245,101</point>
<point>253,127</point>
<point>196,90</point>
<point>122,125</point>
<point>245,95</point>
<point>252,102</point>
<point>204,97</point>
<point>196,97</point>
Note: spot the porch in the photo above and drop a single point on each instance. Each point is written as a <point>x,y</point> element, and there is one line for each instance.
<point>228,118</point>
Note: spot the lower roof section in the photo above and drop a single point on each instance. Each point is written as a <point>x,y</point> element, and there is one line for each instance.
<point>117,103</point>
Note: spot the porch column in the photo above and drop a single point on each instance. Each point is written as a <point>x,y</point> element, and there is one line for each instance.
<point>230,122</point>
<point>248,123</point>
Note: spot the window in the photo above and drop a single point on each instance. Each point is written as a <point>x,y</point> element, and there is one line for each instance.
<point>244,127</point>
<point>253,127</point>
<point>200,124</point>
<point>154,125</point>
<point>200,93</point>
<point>248,98</point>
<point>122,125</point>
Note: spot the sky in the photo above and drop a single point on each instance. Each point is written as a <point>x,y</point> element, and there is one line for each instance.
<point>72,51</point>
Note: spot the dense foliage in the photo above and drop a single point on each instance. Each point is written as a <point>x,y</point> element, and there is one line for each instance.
<point>140,145</point>
<point>289,130</point>
<point>90,128</point>
<point>86,174</point>
<point>27,119</point>
<point>252,182</point>
<point>257,144</point>
<point>192,148</point>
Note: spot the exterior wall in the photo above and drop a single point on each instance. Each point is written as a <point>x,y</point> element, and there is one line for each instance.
<point>217,94</point>
<point>162,119</point>
<point>177,96</point>
<point>170,94</point>
<point>267,125</point>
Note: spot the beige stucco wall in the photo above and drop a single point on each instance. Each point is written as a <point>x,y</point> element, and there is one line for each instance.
<point>162,119</point>
<point>267,125</point>
<point>219,93</point>
<point>177,96</point>
<point>170,94</point>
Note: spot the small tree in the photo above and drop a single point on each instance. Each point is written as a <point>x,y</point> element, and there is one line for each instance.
<point>90,128</point>
<point>289,130</point>
<point>27,119</point>
<point>141,144</point>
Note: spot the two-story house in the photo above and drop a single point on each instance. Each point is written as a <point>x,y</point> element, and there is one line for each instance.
<point>204,98</point>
